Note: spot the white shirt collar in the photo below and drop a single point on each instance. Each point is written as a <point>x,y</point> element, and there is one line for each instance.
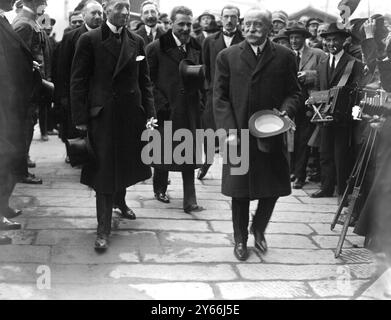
<point>177,41</point>
<point>337,57</point>
<point>113,28</point>
<point>261,47</point>
<point>88,27</point>
<point>2,13</point>
<point>301,51</point>
<point>205,34</point>
<point>28,9</point>
<point>148,29</point>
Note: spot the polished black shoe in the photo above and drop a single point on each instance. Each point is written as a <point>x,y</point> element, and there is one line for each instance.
<point>6,225</point>
<point>101,243</point>
<point>293,177</point>
<point>30,163</point>
<point>203,171</point>
<point>322,194</point>
<point>162,197</point>
<point>4,240</point>
<point>31,179</point>
<point>240,251</point>
<point>125,212</point>
<point>314,177</point>
<point>260,242</point>
<point>12,213</point>
<point>193,208</point>
<point>298,184</point>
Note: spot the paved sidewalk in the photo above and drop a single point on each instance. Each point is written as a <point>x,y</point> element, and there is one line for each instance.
<point>167,254</point>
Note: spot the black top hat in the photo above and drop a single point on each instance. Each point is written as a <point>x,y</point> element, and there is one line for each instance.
<point>280,35</point>
<point>313,20</point>
<point>335,29</point>
<point>267,123</point>
<point>297,27</point>
<point>80,151</point>
<point>193,76</point>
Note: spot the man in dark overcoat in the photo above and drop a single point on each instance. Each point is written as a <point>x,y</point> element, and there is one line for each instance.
<point>173,102</point>
<point>92,14</point>
<point>212,45</point>
<point>252,76</point>
<point>16,83</point>
<point>336,146</point>
<point>111,98</point>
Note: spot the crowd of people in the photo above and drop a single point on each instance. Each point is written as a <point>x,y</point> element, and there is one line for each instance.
<point>110,78</point>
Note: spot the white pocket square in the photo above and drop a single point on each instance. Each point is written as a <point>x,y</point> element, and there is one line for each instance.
<point>140,58</point>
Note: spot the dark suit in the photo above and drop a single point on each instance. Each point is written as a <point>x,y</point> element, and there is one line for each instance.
<point>142,32</point>
<point>336,147</point>
<point>111,92</point>
<point>175,104</point>
<point>304,129</point>
<point>16,83</point>
<point>62,92</point>
<point>30,32</point>
<point>242,87</point>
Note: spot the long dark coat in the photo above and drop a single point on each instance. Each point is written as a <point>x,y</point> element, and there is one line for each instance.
<point>211,47</point>
<point>16,83</point>
<point>111,92</point>
<point>63,77</point>
<point>142,32</point>
<point>242,87</point>
<point>172,101</point>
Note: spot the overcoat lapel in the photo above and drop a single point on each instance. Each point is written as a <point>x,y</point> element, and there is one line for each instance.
<point>128,50</point>
<point>267,55</point>
<point>248,56</point>
<point>15,36</point>
<point>340,68</point>
<point>307,54</point>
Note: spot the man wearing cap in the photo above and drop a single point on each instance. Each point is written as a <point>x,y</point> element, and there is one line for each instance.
<point>16,83</point>
<point>150,31</point>
<point>312,26</point>
<point>282,39</point>
<point>230,35</point>
<point>111,99</point>
<point>255,75</point>
<point>336,137</point>
<point>307,61</point>
<point>175,104</point>
<point>93,17</point>
<point>279,20</point>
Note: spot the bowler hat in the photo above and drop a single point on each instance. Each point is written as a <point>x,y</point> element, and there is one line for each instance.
<point>299,28</point>
<point>193,75</point>
<point>80,151</point>
<point>267,123</point>
<point>335,29</point>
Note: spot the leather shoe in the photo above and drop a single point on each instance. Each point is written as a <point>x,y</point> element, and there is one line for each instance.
<point>203,171</point>
<point>260,242</point>
<point>6,224</point>
<point>298,184</point>
<point>31,179</point>
<point>240,251</point>
<point>162,197</point>
<point>5,240</point>
<point>321,194</point>
<point>293,177</point>
<point>314,177</point>
<point>126,213</point>
<point>30,163</point>
<point>101,243</point>
<point>12,213</point>
<point>193,208</point>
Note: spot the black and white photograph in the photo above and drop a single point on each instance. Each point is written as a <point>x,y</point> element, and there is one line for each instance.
<point>200,152</point>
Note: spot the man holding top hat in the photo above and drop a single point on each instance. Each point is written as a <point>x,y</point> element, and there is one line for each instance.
<point>336,146</point>
<point>254,76</point>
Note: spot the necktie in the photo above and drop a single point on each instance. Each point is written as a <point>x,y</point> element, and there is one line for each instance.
<point>298,58</point>
<point>117,37</point>
<point>150,37</point>
<point>332,68</point>
<point>258,54</point>
<point>182,51</point>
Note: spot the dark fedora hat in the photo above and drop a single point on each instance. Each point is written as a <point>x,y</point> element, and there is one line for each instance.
<point>297,27</point>
<point>80,151</point>
<point>335,29</point>
<point>192,75</point>
<point>267,123</point>
<point>280,35</point>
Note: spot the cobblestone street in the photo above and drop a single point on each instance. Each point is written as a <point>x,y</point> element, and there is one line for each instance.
<point>167,254</point>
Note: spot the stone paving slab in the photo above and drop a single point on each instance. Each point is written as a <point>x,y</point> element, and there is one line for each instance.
<point>342,287</point>
<point>24,253</point>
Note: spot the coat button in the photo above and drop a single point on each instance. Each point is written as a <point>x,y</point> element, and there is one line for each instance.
<point>182,91</point>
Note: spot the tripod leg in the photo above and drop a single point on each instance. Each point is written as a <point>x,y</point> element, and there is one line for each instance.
<point>340,207</point>
<point>343,234</point>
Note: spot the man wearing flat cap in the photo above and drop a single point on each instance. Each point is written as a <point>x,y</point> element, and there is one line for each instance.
<point>307,61</point>
<point>312,26</point>
<point>336,146</point>
<point>255,75</point>
<point>279,20</point>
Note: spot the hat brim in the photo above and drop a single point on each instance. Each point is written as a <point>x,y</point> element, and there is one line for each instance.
<point>305,33</point>
<point>205,14</point>
<point>267,123</point>
<point>279,19</point>
<point>341,32</point>
<point>277,38</point>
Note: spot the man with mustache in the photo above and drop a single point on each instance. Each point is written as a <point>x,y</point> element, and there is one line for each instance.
<point>111,99</point>
<point>93,17</point>
<point>150,31</point>
<point>16,83</point>
<point>174,103</point>
<point>255,75</point>
<point>230,35</point>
